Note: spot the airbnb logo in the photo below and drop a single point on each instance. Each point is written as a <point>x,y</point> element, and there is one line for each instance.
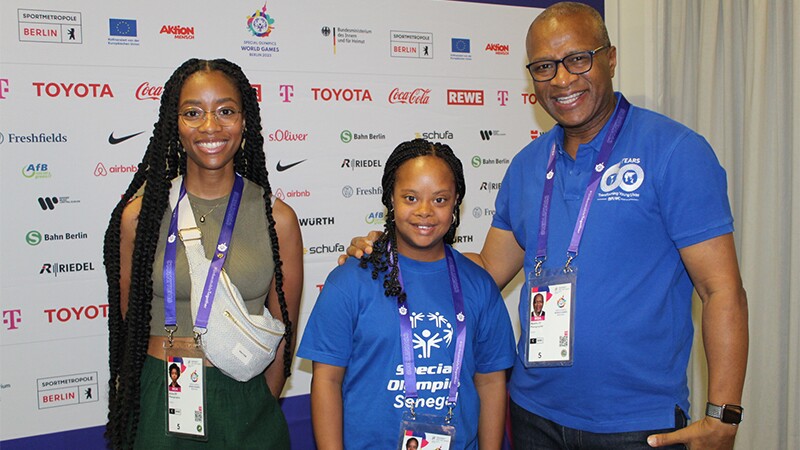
<point>11,318</point>
<point>147,92</point>
<point>418,96</point>
<point>286,92</point>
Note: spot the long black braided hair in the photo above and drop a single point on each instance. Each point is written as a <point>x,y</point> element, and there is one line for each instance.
<point>384,250</point>
<point>163,160</point>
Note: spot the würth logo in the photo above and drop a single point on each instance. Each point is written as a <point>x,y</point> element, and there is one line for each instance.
<point>464,97</point>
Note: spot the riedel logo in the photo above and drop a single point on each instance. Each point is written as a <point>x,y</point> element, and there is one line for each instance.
<point>80,90</point>
<point>418,96</point>
<point>465,97</point>
<point>178,31</point>
<point>344,95</point>
<point>56,269</point>
<point>146,91</point>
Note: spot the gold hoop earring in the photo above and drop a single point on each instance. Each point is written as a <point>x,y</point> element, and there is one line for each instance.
<point>454,218</point>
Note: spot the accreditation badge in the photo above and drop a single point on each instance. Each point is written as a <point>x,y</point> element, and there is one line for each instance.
<point>548,325</point>
<point>186,392</point>
<point>425,432</point>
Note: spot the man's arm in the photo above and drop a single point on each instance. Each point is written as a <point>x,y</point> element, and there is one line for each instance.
<point>501,256</point>
<point>714,270</point>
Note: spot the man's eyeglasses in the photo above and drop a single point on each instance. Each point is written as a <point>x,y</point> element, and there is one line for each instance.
<point>225,116</point>
<point>575,63</point>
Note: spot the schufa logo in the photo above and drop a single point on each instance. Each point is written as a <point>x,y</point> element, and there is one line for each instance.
<point>418,96</point>
<point>465,97</point>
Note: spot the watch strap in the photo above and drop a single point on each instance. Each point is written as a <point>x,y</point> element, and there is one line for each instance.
<point>731,414</point>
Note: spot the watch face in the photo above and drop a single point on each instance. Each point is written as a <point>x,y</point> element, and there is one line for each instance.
<point>731,414</point>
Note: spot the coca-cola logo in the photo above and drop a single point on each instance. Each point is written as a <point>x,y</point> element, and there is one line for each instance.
<point>418,96</point>
<point>147,92</point>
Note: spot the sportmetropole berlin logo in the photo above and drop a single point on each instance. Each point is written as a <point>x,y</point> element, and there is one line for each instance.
<point>260,23</point>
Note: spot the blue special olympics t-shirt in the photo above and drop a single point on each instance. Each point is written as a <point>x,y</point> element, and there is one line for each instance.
<point>662,190</point>
<point>355,325</point>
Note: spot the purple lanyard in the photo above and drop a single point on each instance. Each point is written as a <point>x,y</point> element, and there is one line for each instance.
<point>409,368</point>
<point>547,195</point>
<point>217,261</point>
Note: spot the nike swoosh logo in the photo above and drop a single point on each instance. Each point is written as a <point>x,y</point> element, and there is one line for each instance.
<point>115,140</point>
<point>281,168</point>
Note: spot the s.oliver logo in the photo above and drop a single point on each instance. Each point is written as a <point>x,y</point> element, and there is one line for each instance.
<point>81,90</point>
<point>341,95</point>
<point>418,96</point>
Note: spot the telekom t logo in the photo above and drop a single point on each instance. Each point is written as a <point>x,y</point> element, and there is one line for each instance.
<point>286,91</point>
<point>12,317</point>
<point>502,97</point>
<point>3,88</point>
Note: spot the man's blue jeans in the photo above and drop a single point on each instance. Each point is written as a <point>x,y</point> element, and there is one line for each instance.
<point>532,432</point>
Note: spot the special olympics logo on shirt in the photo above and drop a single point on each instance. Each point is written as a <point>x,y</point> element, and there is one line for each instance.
<point>627,177</point>
<point>437,331</point>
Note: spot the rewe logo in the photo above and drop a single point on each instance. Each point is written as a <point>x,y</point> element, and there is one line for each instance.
<point>465,97</point>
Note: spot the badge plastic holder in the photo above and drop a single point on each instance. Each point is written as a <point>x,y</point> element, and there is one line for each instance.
<point>549,337</point>
<point>431,432</point>
<point>186,414</point>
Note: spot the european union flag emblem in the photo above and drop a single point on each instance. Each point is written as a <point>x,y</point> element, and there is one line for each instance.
<point>122,27</point>
<point>460,45</point>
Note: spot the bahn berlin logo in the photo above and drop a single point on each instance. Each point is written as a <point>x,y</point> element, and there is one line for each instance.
<point>59,27</point>
<point>469,97</point>
<point>411,44</point>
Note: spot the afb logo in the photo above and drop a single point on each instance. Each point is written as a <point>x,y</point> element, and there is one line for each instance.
<point>35,171</point>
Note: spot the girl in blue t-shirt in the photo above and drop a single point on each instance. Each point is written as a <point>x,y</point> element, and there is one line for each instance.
<point>438,302</point>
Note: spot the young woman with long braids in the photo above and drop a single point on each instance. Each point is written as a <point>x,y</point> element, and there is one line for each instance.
<point>208,131</point>
<point>443,329</point>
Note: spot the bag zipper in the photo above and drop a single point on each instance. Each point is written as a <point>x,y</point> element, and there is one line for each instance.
<point>246,331</point>
<point>242,310</point>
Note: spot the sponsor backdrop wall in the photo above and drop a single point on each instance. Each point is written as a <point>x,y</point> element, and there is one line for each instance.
<point>340,84</point>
